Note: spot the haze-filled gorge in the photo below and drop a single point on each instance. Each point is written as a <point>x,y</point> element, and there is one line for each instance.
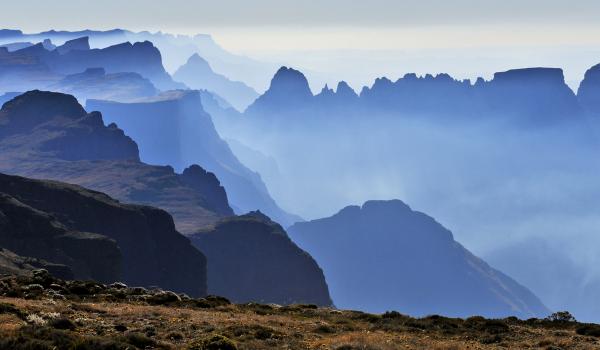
<point>167,176</point>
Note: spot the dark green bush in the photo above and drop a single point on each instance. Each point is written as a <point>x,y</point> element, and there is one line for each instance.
<point>139,340</point>
<point>62,323</point>
<point>561,317</point>
<point>589,329</point>
<point>6,308</point>
<point>215,342</point>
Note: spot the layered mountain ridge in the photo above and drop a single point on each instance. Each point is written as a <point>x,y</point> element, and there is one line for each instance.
<point>173,128</point>
<point>49,135</point>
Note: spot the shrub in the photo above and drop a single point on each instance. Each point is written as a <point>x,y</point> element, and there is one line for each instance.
<point>175,336</point>
<point>215,342</point>
<point>561,316</point>
<point>6,308</point>
<point>139,340</point>
<point>392,314</point>
<point>62,323</point>
<point>163,298</point>
<point>589,329</point>
<point>325,329</point>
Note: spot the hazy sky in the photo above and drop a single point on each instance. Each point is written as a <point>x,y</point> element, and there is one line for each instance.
<point>464,37</point>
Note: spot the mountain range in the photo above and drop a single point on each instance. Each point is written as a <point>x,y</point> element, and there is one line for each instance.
<point>173,129</point>
<point>49,135</point>
<point>175,48</point>
<point>36,67</point>
<point>499,161</point>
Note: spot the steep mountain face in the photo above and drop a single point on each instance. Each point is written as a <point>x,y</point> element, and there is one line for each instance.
<point>198,74</point>
<point>49,135</point>
<point>13,264</point>
<point>31,232</point>
<point>406,261</point>
<point>588,93</point>
<point>95,83</point>
<point>289,91</point>
<point>174,129</point>
<point>251,259</point>
<point>139,244</point>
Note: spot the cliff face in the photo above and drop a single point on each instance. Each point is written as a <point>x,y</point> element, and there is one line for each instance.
<point>406,261</point>
<point>50,136</point>
<point>588,93</point>
<point>174,129</point>
<point>97,236</point>
<point>34,233</point>
<point>251,258</point>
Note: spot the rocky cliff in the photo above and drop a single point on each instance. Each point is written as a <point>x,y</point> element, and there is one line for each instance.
<point>97,236</point>
<point>251,258</point>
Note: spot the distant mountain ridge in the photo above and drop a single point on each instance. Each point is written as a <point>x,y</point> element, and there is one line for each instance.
<point>530,95</point>
<point>404,260</point>
<point>175,48</point>
<point>173,128</point>
<point>197,74</point>
<point>36,67</point>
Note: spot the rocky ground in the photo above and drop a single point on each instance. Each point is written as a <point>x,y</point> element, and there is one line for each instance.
<point>41,312</point>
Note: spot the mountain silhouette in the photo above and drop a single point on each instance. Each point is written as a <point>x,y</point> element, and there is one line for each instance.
<point>251,259</point>
<point>36,67</point>
<point>532,96</point>
<point>588,93</point>
<point>385,256</point>
<point>198,74</point>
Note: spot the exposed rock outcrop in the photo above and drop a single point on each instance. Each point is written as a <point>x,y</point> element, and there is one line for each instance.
<point>13,264</point>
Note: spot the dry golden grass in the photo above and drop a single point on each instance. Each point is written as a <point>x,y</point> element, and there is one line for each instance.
<point>261,327</point>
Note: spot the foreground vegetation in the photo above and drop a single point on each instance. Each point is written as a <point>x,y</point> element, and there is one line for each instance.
<point>40,312</point>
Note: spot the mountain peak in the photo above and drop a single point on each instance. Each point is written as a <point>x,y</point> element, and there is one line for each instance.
<point>82,43</point>
<point>589,90</point>
<point>36,107</point>
<point>537,74</point>
<point>290,81</point>
<point>343,89</point>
